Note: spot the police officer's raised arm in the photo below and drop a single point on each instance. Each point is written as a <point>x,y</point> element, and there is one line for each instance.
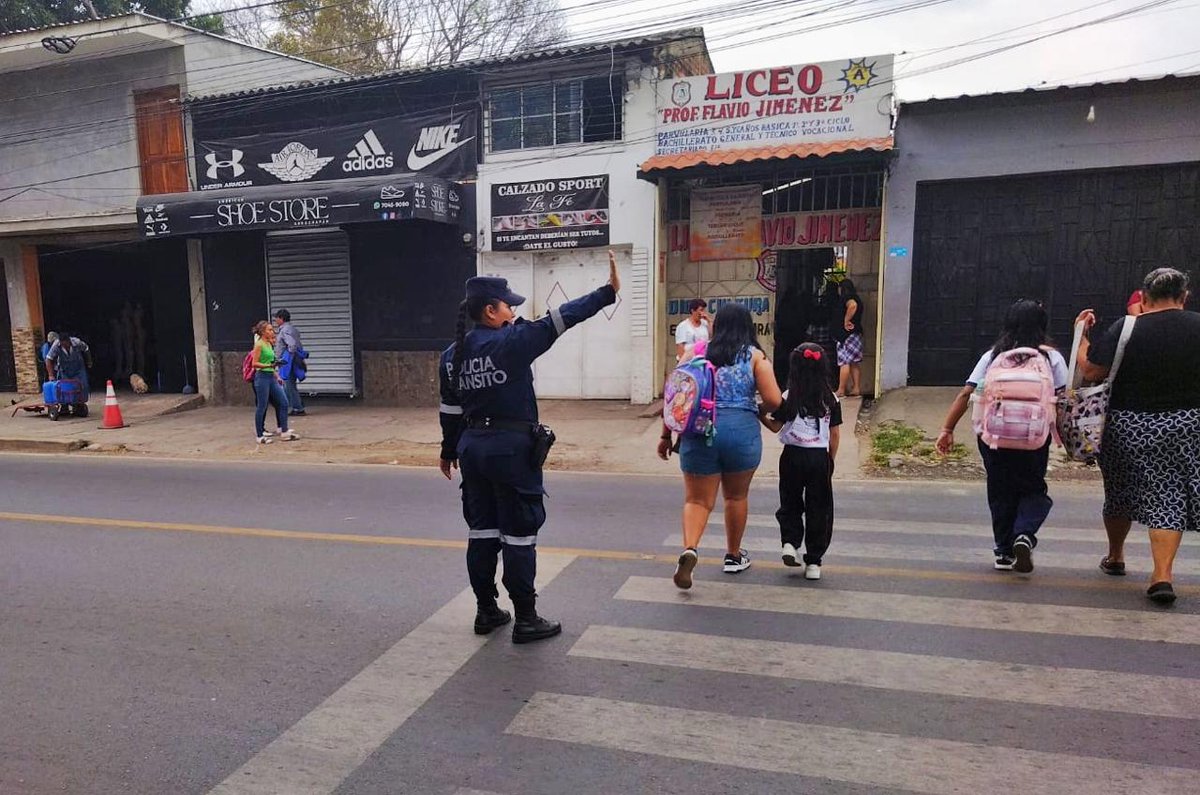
<point>535,338</point>
<point>450,414</point>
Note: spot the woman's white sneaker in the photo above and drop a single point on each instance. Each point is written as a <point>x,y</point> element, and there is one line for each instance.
<point>683,571</point>
<point>288,436</point>
<point>812,572</point>
<point>790,558</point>
<point>264,439</point>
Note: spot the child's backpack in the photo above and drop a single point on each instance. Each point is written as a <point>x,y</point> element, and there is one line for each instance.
<point>690,398</point>
<point>248,367</point>
<point>1017,409</point>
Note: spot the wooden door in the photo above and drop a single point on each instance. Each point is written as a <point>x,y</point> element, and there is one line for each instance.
<point>163,157</point>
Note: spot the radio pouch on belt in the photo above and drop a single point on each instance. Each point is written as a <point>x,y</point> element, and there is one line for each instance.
<point>543,440</point>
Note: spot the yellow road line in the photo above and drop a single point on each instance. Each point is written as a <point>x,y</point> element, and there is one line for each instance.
<point>592,554</point>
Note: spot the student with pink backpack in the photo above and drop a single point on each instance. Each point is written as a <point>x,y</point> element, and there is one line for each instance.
<point>1014,387</point>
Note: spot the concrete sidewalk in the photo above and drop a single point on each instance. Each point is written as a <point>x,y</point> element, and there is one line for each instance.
<point>926,408</point>
<point>601,436</point>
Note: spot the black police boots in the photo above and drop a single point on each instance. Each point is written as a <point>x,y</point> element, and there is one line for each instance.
<point>530,626</point>
<point>489,617</point>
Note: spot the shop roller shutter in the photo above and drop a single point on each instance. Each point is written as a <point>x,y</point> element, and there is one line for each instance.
<point>308,273</point>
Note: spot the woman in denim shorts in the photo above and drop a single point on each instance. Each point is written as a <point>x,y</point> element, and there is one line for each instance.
<point>726,462</point>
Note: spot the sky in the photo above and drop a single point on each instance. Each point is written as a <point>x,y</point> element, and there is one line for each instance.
<point>1137,46</point>
<point>745,34</point>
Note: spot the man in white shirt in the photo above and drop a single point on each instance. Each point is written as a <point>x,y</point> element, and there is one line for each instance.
<point>696,327</point>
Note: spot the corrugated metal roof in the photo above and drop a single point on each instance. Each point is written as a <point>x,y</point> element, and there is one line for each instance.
<point>667,37</point>
<point>4,33</point>
<point>144,20</point>
<point>728,157</point>
<point>1034,90</point>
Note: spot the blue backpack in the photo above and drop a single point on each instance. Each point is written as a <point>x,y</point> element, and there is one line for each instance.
<point>690,399</point>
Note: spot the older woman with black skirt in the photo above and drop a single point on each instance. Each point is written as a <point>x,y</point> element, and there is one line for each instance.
<point>1150,453</point>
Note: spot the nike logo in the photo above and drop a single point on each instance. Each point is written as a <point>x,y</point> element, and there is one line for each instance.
<point>417,162</point>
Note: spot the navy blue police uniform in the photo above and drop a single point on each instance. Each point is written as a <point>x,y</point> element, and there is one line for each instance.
<point>488,415</point>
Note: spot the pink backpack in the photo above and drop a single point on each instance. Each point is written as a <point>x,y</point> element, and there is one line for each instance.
<point>1017,410</point>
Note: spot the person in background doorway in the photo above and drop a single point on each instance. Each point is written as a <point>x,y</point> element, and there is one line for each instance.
<point>287,341</point>
<point>809,425</point>
<point>820,330</point>
<point>850,340</point>
<point>1134,306</point>
<point>268,386</point>
<point>694,328</point>
<point>68,359</point>
<point>139,340</point>
<point>51,337</point>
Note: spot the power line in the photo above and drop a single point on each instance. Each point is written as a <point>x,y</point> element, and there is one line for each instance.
<point>609,145</point>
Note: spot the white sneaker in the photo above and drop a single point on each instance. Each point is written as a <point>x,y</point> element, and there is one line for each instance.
<point>683,571</point>
<point>264,439</point>
<point>288,436</point>
<point>268,433</point>
<point>790,557</point>
<point>812,572</point>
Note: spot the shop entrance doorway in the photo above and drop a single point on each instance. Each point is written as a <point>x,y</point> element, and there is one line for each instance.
<point>802,304</point>
<point>130,304</point>
<point>8,369</point>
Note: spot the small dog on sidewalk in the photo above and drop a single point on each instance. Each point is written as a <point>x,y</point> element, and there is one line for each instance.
<point>139,384</point>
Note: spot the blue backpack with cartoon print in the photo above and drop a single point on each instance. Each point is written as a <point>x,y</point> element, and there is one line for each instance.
<point>690,398</point>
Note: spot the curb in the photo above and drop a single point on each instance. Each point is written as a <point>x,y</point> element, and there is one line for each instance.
<point>194,402</point>
<point>41,445</point>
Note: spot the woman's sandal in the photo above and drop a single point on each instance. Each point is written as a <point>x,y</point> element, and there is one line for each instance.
<point>1114,567</point>
<point>1161,593</point>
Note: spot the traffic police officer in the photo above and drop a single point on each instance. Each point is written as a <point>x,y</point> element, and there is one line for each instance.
<point>489,420</point>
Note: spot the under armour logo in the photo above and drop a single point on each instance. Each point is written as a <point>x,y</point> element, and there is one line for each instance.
<point>234,162</point>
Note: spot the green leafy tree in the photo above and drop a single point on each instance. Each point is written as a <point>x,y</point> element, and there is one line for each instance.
<point>364,36</point>
<point>24,14</point>
<point>345,34</point>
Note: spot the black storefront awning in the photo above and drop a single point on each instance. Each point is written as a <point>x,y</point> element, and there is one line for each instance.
<point>398,197</point>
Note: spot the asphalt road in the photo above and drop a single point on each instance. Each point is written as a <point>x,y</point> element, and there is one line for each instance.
<point>170,627</point>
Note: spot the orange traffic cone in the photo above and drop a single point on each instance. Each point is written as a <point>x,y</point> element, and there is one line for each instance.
<point>112,412</point>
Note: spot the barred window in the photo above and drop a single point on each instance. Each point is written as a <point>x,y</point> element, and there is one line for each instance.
<point>579,110</point>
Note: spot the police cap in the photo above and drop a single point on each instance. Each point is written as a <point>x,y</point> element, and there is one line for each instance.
<point>492,288</point>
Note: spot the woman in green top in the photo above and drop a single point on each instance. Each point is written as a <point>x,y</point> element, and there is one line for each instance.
<point>268,386</point>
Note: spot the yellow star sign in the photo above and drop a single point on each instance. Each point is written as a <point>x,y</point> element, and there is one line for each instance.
<point>858,75</point>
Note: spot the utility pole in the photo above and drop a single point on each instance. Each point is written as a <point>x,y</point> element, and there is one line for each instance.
<point>91,9</point>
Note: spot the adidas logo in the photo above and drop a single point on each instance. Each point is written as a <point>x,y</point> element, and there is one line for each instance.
<point>367,155</point>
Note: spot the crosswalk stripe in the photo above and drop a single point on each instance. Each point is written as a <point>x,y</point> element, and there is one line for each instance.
<point>1185,567</point>
<point>943,611</point>
<point>949,676</point>
<point>917,764</point>
<point>327,744</point>
<point>912,528</point>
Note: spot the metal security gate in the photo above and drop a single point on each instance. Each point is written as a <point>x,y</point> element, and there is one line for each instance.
<point>1071,240</point>
<point>308,273</point>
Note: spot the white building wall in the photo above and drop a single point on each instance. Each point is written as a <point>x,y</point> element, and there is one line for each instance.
<point>632,212</point>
